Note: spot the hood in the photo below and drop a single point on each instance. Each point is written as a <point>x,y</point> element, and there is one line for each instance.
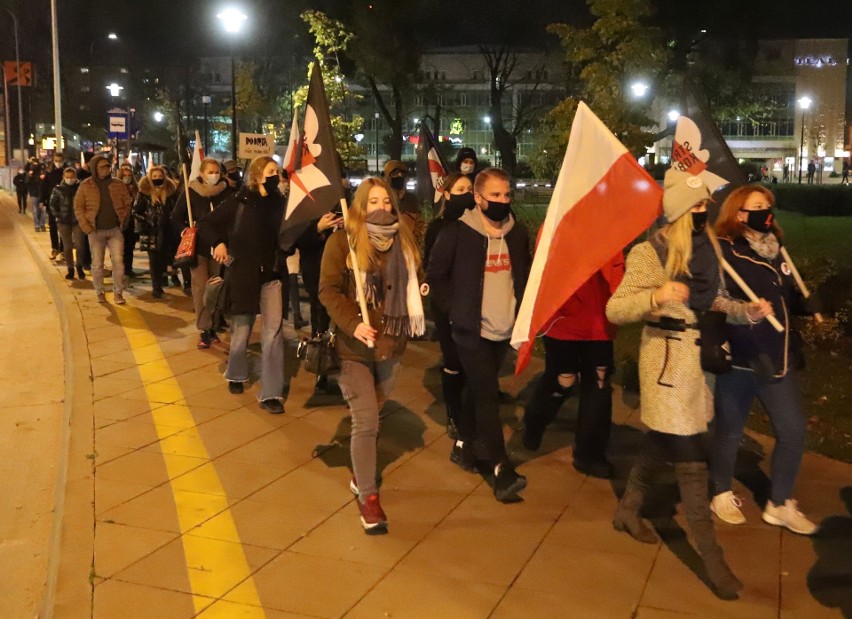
<point>147,188</point>
<point>473,219</point>
<point>93,166</point>
<point>465,153</point>
<point>207,191</point>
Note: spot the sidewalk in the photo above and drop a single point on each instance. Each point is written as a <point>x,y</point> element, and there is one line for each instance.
<point>182,500</point>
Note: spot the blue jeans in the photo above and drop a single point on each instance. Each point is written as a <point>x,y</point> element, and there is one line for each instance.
<point>271,344</point>
<point>99,240</point>
<point>39,213</point>
<point>782,400</point>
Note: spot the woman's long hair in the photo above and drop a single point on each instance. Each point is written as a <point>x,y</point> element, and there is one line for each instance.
<point>727,225</point>
<point>159,194</point>
<point>255,172</point>
<point>356,226</point>
<point>449,181</point>
<point>679,246</point>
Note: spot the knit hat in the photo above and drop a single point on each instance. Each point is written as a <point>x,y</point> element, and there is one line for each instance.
<point>230,164</point>
<point>393,165</point>
<point>681,192</point>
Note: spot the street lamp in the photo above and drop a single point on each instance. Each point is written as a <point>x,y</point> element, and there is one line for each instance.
<point>804,103</point>
<point>112,36</point>
<point>158,117</point>
<point>114,89</point>
<point>639,89</point>
<point>232,20</point>
<point>674,115</point>
<point>377,143</point>
<point>20,105</point>
<point>205,101</point>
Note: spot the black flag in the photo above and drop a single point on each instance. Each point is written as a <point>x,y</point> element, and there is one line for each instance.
<point>315,187</point>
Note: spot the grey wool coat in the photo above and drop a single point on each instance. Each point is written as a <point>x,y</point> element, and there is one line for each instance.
<point>677,395</point>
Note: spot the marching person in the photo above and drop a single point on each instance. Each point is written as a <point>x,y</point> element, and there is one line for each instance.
<point>369,355</point>
<point>52,179</point>
<point>671,282</point>
<point>466,162</point>
<point>152,210</point>
<point>35,177</point>
<point>206,193</point>
<point>478,269</point>
<point>62,207</point>
<point>20,183</point>
<point>125,175</point>
<point>578,349</point>
<point>102,206</point>
<point>244,233</point>
<point>765,361</point>
<point>396,175</point>
<point>457,199</point>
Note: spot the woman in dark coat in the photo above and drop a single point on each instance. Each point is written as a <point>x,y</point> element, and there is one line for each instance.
<point>244,233</point>
<point>151,212</point>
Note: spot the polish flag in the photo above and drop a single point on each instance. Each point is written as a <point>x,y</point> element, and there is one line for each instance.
<point>197,157</point>
<point>603,200</point>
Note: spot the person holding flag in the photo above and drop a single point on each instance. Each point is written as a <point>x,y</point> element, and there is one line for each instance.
<point>478,271</point>
<point>673,283</point>
<point>376,244</point>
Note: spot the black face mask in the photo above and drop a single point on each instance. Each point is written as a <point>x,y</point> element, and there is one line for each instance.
<point>270,183</point>
<point>760,221</point>
<point>699,223</point>
<point>497,211</point>
<point>456,205</point>
<point>398,182</point>
<point>234,176</point>
<point>157,182</point>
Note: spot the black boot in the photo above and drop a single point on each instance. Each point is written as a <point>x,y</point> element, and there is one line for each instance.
<point>452,386</point>
<point>80,273</point>
<point>541,410</point>
<point>627,515</point>
<point>70,274</point>
<point>293,289</point>
<point>692,480</point>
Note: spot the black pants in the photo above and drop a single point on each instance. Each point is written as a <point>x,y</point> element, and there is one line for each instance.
<point>310,261</point>
<point>22,202</point>
<point>158,261</point>
<point>130,238</point>
<point>584,359</point>
<point>449,350</point>
<point>676,448</point>
<point>480,419</point>
<point>54,231</point>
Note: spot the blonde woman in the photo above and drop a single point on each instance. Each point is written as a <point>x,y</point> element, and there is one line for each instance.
<point>389,263</point>
<point>243,231</point>
<point>151,211</point>
<point>672,281</point>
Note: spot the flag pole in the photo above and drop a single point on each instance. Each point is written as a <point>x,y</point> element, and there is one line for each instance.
<point>186,193</point>
<point>801,283</point>
<point>356,271</point>
<point>749,292</point>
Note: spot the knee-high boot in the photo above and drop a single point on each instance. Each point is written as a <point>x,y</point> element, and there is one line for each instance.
<point>692,478</point>
<point>452,386</point>
<point>542,409</point>
<point>627,515</point>
<point>293,289</point>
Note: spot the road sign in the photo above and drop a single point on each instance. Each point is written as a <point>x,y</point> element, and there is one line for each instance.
<point>255,145</point>
<point>19,75</point>
<point>117,124</point>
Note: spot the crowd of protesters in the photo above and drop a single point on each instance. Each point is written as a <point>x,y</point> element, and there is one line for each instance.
<point>473,261</point>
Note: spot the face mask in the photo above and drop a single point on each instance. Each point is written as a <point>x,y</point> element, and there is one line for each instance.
<point>70,181</point>
<point>158,182</point>
<point>466,168</point>
<point>699,222</point>
<point>234,176</point>
<point>497,211</point>
<point>270,183</point>
<point>398,182</point>
<point>456,205</point>
<point>126,180</point>
<point>381,217</point>
<point>211,179</point>
<point>760,221</point>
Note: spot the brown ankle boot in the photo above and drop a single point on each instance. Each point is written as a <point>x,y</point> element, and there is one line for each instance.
<point>692,480</point>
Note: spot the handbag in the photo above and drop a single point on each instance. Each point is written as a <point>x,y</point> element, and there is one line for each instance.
<point>715,351</point>
<point>318,354</point>
<point>185,256</point>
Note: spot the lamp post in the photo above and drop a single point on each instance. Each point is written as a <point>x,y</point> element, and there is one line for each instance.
<point>232,20</point>
<point>205,101</point>
<point>377,144</point>
<point>804,103</point>
<point>57,97</point>
<point>20,105</point>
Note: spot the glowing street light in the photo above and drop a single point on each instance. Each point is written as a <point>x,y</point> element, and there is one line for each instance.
<point>639,89</point>
<point>114,89</point>
<point>232,20</point>
<point>673,115</point>
<point>486,120</point>
<point>805,104</point>
<point>112,36</point>
<point>158,116</point>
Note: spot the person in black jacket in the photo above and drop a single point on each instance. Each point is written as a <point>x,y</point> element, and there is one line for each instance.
<point>466,162</point>
<point>478,269</point>
<point>244,233</point>
<point>151,212</point>
<point>205,193</point>
<point>62,207</point>
<point>126,176</point>
<point>52,179</point>
<point>35,178</point>
<point>20,183</point>
<point>458,198</point>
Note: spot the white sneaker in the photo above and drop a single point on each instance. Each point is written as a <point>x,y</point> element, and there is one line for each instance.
<point>788,515</point>
<point>727,507</point>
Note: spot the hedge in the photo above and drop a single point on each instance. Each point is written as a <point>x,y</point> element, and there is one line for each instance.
<point>832,201</point>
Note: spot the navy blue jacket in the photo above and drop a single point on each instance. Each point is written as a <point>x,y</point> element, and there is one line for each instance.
<point>760,347</point>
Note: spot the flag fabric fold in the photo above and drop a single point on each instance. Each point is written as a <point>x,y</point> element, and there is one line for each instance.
<point>603,200</point>
<point>197,157</point>
<point>315,186</point>
<point>431,167</point>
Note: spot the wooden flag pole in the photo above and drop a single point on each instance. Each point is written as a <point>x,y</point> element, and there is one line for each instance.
<point>749,292</point>
<point>799,281</point>
<point>186,193</point>
<point>356,271</point>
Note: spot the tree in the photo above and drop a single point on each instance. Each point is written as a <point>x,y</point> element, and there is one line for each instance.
<point>602,61</point>
<point>331,40</point>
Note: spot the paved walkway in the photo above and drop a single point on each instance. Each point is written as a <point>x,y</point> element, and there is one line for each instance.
<point>176,499</point>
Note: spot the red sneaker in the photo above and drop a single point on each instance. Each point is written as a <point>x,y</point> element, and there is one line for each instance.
<point>373,518</point>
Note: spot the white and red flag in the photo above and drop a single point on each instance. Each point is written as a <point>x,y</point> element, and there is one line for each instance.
<point>603,200</point>
<point>431,167</point>
<point>197,157</point>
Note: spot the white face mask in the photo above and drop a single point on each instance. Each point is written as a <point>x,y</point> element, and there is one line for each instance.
<point>466,168</point>
<point>211,179</point>
<point>70,181</point>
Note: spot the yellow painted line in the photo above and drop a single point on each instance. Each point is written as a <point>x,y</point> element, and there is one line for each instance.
<point>214,566</point>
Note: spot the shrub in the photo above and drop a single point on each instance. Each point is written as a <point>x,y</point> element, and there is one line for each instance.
<point>833,201</point>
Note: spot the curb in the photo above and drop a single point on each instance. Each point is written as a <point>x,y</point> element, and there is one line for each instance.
<point>68,591</point>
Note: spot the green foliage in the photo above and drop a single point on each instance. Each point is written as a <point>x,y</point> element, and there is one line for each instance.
<point>833,201</point>
<point>603,60</point>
